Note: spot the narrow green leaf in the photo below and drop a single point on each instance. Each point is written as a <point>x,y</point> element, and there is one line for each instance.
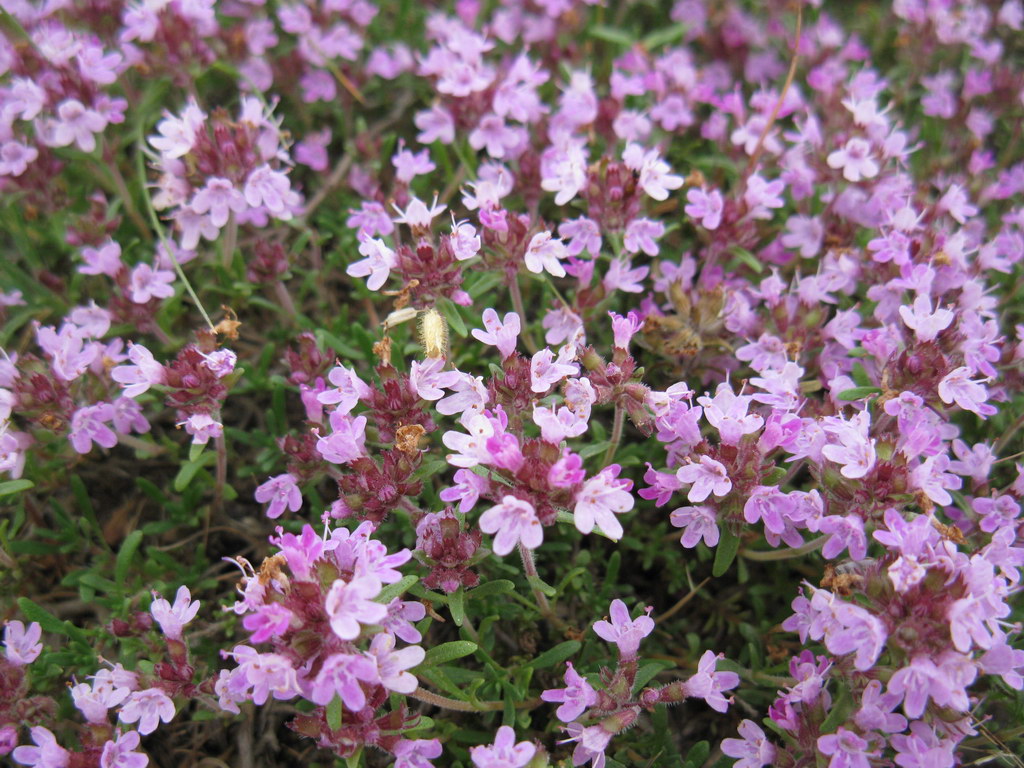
<point>35,612</point>
<point>858,393</point>
<point>447,652</point>
<point>129,547</point>
<point>496,587</point>
<point>611,35</point>
<point>664,36</point>
<point>195,451</point>
<point>15,486</point>
<point>451,314</point>
<point>457,606</point>
<point>725,553</point>
<point>391,591</point>
<point>697,755</point>
<point>556,655</point>
<point>333,713</point>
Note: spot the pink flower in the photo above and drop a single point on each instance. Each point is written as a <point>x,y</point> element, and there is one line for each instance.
<point>172,619</point>
<point>416,753</point>
<point>409,164</point>
<point>546,371</point>
<point>706,476</point>
<point>514,521</point>
<point>708,684</point>
<point>625,632</point>
<point>958,387</point>
<point>349,389</point>
<point>144,372</point>
<point>427,378</point>
<point>121,753</point>
<point>601,498</point>
<point>499,333</point>
<point>641,235</point>
<point>855,451</point>
<point>855,160</point>
<point>925,323</point>
<point>147,708</point>
<point>88,426</point>
<point>22,645</point>
<point>391,664</point>
<point>804,233</point>
<point>754,749</point>
<point>697,523</point>
<point>46,754</point>
<point>147,283</point>
<point>15,158</point>
<point>105,260</point>
<point>347,441</point>
<point>379,262</point>
<point>218,198</point>
<point>847,749</point>
<point>467,489</point>
<point>656,178</point>
<point>556,426</point>
<point>705,206</point>
<point>504,752</point>
<point>268,188</point>
<point>340,676</point>
<point>545,253</point>
<point>76,124</point>
<point>576,697</point>
<point>202,426</point>
<point>464,240</point>
<point>349,604</point>
<point>622,276</point>
<point>282,492</point>
<point>565,173</point>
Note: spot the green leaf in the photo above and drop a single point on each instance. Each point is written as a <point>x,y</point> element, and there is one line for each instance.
<point>391,591</point>
<point>648,671</point>
<point>611,35</point>
<point>858,393</point>
<point>697,755</point>
<point>860,376</point>
<point>457,606</point>
<point>447,652</point>
<point>334,713</point>
<point>556,655</point>
<point>496,587</point>
<point>725,553</point>
<point>842,705</point>
<point>195,451</point>
<point>35,612</point>
<point>15,486</point>
<point>129,547</point>
<point>747,258</point>
<point>664,36</point>
<point>451,314</point>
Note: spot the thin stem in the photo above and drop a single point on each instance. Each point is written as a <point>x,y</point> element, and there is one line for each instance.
<point>756,154</point>
<point>129,202</point>
<point>517,304</point>
<point>285,299</point>
<point>617,424</point>
<point>220,481</point>
<point>784,554</point>
<point>679,606</point>
<point>168,248</point>
<point>1008,434</point>
<point>228,244</point>
<point>429,697</point>
<point>530,569</point>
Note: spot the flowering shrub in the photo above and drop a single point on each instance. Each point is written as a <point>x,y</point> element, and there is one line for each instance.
<point>430,331</point>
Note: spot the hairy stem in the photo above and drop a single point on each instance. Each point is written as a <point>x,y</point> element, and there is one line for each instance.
<point>428,697</point>
<point>617,424</point>
<point>784,554</point>
<point>530,569</point>
<point>517,304</point>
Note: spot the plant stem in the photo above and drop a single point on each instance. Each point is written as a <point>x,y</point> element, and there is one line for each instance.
<point>428,697</point>
<point>517,304</point>
<point>285,300</point>
<point>530,569</point>
<point>784,554</point>
<point>617,424</point>
<point>227,255</point>
<point>679,605</point>
<point>219,482</point>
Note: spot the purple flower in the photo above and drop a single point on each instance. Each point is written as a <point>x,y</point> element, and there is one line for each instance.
<point>348,604</point>
<point>847,749</point>
<point>847,532</point>
<point>753,750</point>
<point>545,253</point>
<point>121,753</point>
<point>504,752</point>
<point>202,426</point>
<point>576,697</point>
<point>727,412</point>
<point>626,633</point>
<point>855,160</point>
<point>805,234</point>
<point>268,188</point>
<point>391,664</point>
<point>925,323</point>
<point>416,753</point>
<point>281,491</point>
<point>428,378</point>
<point>546,370</point>
<point>219,198</point>
<point>267,621</point>
<point>348,390</point>
<point>378,262</point>
<point>707,207</point>
<point>855,451</point>
<point>88,426</point>
<point>147,283</point>
<point>105,260</point>
<point>172,619</point>
<point>958,387</point>
<point>499,333</point>
<point>708,684</point>
<point>22,645</point>
<point>46,754</point>
<point>347,441</point>
<point>602,497</point>
<point>144,372</point>
<point>147,708</point>
<point>76,124</point>
<point>514,521</point>
<point>340,676</point>
<point>698,523</point>
<point>706,477</point>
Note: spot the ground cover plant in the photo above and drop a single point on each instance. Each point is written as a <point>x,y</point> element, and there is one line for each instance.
<point>511,384</point>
